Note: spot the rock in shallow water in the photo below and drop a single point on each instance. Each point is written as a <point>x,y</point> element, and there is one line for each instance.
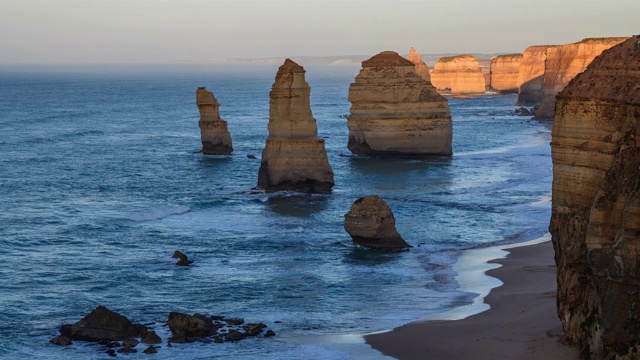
<point>370,223</point>
<point>103,324</point>
<point>216,139</point>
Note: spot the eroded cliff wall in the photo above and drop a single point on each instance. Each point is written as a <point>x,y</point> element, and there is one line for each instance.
<point>595,222</point>
<point>531,74</point>
<point>458,75</point>
<point>563,63</point>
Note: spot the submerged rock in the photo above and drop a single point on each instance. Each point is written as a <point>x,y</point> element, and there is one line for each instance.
<point>370,223</point>
<point>595,219</point>
<point>61,340</point>
<point>151,338</point>
<point>103,324</point>
<point>395,112</point>
<point>294,158</point>
<point>216,139</point>
<point>184,261</point>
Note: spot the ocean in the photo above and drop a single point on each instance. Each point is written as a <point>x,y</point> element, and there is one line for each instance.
<point>101,181</point>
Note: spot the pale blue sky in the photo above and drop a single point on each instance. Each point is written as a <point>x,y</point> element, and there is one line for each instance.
<point>160,31</point>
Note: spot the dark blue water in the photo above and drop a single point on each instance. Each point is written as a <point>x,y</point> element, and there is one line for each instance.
<point>99,185</point>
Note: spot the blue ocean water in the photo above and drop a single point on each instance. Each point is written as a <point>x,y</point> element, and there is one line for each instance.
<point>100,183</point>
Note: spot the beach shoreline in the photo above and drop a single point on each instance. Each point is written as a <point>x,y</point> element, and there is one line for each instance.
<point>518,321</point>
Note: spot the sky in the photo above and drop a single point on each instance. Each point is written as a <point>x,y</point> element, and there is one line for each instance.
<point>166,31</point>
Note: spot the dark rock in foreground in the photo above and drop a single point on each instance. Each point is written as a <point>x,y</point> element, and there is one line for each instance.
<point>103,324</point>
<point>184,261</point>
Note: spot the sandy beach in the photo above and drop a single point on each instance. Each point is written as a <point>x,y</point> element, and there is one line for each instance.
<point>521,324</point>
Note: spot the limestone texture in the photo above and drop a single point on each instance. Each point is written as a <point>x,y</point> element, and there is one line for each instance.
<point>458,75</point>
<point>370,223</point>
<point>531,74</point>
<point>504,73</point>
<point>595,221</point>
<point>294,158</point>
<point>214,133</point>
<point>395,112</point>
<point>421,67</point>
<point>563,63</point>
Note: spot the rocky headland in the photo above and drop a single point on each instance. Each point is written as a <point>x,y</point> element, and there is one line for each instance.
<point>421,67</point>
<point>563,63</point>
<point>216,139</point>
<point>505,73</point>
<point>395,112</point>
<point>370,223</point>
<point>458,75</point>
<point>531,74</point>
<point>294,158</point>
<point>595,222</point>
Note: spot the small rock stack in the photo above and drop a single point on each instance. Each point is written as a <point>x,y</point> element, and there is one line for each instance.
<point>216,139</point>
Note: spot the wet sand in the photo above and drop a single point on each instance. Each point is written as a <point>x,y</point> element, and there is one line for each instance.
<point>522,322</point>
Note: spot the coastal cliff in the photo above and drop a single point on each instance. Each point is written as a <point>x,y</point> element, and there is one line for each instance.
<point>421,68</point>
<point>531,74</point>
<point>504,71</point>
<point>458,75</point>
<point>294,158</point>
<point>214,133</point>
<point>563,63</point>
<point>595,222</point>
<point>395,112</point>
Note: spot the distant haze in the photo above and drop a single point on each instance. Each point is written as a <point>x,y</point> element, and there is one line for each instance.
<point>166,31</point>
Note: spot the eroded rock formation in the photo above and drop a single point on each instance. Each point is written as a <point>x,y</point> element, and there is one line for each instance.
<point>214,133</point>
<point>531,74</point>
<point>421,68</point>
<point>294,158</point>
<point>103,324</point>
<point>595,222</point>
<point>563,63</point>
<point>370,223</point>
<point>458,75</point>
<point>505,72</point>
<point>395,112</point>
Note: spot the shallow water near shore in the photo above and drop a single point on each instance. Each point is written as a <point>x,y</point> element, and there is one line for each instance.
<point>101,182</point>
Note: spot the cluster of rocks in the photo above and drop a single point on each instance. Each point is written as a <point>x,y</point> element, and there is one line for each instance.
<point>113,330</point>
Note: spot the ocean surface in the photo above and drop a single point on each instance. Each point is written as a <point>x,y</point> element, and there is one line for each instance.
<point>100,182</point>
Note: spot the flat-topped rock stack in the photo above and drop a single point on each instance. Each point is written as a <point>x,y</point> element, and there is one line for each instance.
<point>563,63</point>
<point>395,112</point>
<point>458,75</point>
<point>595,221</point>
<point>421,67</point>
<point>294,158</point>
<point>214,133</point>
<point>505,70</point>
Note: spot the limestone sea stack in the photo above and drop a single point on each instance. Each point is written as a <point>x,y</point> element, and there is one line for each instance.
<point>294,158</point>
<point>421,68</point>
<point>458,75</point>
<point>395,112</point>
<point>563,63</point>
<point>531,74</point>
<point>595,221</point>
<point>216,139</point>
<point>504,73</point>
<point>370,223</point>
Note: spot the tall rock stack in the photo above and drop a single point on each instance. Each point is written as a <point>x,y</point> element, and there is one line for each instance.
<point>531,74</point>
<point>595,221</point>
<point>421,68</point>
<point>294,158</point>
<point>504,73</point>
<point>458,75</point>
<point>563,63</point>
<point>395,112</point>
<point>214,133</point>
